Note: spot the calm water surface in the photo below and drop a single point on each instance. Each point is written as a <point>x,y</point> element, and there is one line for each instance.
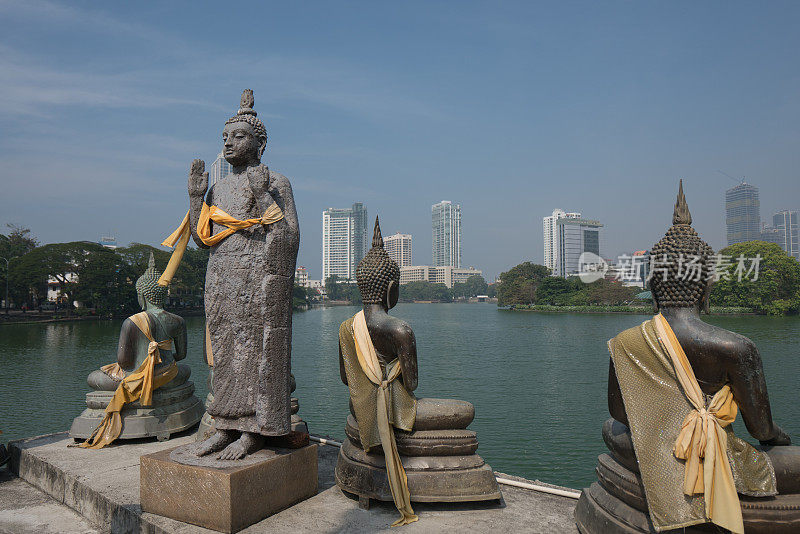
<point>538,381</point>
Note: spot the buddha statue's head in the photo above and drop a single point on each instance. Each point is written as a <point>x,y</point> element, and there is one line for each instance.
<point>378,275</point>
<point>148,290</point>
<point>681,263</point>
<point>244,137</point>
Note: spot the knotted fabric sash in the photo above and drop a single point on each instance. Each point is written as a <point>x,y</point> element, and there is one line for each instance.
<point>138,385</point>
<point>208,214</point>
<point>179,237</point>
<point>702,442</point>
<point>368,359</point>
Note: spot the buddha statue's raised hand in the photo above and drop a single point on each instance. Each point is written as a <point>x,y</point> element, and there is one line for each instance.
<point>198,179</point>
<point>258,177</point>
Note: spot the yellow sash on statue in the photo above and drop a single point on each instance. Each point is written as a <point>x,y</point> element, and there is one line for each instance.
<point>138,385</point>
<point>272,215</point>
<point>368,360</point>
<point>702,442</point>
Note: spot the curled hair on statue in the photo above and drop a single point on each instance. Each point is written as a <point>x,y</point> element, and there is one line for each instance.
<point>147,286</point>
<point>377,273</point>
<point>672,288</point>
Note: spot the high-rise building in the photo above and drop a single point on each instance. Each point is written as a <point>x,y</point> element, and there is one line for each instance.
<point>446,226</point>
<point>786,223</point>
<point>301,276</point>
<point>567,236</point>
<point>398,246</point>
<point>219,169</point>
<point>344,241</point>
<point>742,213</point>
<point>771,235</point>
<point>551,236</point>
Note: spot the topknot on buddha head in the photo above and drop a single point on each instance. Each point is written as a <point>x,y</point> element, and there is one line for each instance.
<point>377,274</point>
<point>247,114</point>
<point>147,287</point>
<point>681,262</point>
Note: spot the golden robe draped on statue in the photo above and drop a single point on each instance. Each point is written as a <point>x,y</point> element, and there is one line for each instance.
<point>658,406</point>
<point>380,403</point>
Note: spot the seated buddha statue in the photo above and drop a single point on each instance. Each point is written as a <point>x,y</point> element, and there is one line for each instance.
<point>145,392</point>
<point>399,447</point>
<point>675,386</point>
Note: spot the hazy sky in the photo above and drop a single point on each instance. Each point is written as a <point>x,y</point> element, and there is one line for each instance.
<point>510,109</point>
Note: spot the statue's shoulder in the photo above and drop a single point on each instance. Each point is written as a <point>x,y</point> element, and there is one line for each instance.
<point>399,326</point>
<point>173,319</point>
<point>279,181</point>
<point>727,342</point>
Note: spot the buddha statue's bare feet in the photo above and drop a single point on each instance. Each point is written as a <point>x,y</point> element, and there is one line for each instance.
<point>217,442</point>
<point>247,443</point>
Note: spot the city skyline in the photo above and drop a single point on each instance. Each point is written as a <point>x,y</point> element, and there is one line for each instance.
<point>107,105</point>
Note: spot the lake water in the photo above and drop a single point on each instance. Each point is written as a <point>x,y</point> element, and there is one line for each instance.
<point>538,380</point>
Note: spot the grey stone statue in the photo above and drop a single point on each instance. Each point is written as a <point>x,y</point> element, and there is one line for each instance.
<point>248,293</point>
<point>174,407</point>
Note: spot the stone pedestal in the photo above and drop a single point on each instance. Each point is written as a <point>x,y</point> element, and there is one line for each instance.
<point>174,408</point>
<point>227,499</point>
<point>441,464</point>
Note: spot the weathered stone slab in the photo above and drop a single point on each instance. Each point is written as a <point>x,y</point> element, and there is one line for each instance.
<point>228,499</point>
<point>103,486</point>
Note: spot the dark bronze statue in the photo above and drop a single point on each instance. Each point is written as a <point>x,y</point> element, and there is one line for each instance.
<point>378,362</point>
<point>649,452</point>
<point>717,356</point>
<point>249,221</point>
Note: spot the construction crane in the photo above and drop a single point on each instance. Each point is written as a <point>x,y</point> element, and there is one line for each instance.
<point>731,177</point>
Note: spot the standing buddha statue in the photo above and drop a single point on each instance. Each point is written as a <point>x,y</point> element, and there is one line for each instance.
<point>249,222</point>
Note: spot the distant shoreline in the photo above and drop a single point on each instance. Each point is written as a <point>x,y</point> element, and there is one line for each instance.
<point>599,310</point>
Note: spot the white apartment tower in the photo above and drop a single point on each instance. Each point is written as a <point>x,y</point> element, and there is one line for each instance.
<point>566,237</point>
<point>551,236</point>
<point>344,241</point>
<point>446,227</point>
<point>219,170</point>
<point>398,246</point>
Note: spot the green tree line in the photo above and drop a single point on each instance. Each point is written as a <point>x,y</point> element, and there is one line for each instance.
<point>528,283</point>
<point>95,276</point>
<point>776,290</point>
<point>338,289</point>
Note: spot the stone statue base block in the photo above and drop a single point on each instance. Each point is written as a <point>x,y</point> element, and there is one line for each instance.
<point>228,499</point>
<point>174,409</point>
<point>430,478</point>
<point>616,504</point>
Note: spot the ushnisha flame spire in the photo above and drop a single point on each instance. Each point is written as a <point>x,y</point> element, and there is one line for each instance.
<point>377,238</point>
<point>681,214</point>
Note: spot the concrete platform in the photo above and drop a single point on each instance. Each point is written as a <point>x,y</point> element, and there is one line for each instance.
<point>103,487</point>
<point>24,508</point>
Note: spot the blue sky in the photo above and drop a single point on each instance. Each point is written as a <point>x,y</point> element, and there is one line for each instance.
<point>510,109</point>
